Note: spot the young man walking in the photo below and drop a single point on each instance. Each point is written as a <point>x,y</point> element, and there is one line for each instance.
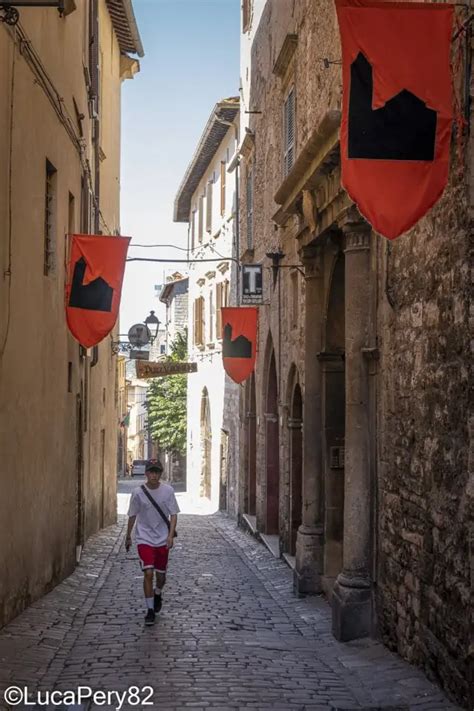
<point>154,508</point>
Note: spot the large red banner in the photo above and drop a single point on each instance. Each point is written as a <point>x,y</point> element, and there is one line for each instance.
<point>94,286</point>
<point>239,341</point>
<point>396,108</point>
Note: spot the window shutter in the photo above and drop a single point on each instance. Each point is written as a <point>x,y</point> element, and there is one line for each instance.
<point>223,178</point>
<point>289,120</point>
<point>250,209</point>
<point>219,305</point>
<point>209,207</point>
<point>211,315</point>
<point>203,320</point>
<point>193,229</point>
<point>201,218</point>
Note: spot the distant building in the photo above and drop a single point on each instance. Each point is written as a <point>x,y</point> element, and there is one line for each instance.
<point>206,201</point>
<point>174,294</point>
<point>138,441</point>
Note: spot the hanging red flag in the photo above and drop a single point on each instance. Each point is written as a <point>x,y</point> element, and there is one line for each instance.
<point>396,108</point>
<point>94,286</point>
<point>239,341</point>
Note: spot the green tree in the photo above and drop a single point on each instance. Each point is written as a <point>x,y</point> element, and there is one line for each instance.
<point>166,403</point>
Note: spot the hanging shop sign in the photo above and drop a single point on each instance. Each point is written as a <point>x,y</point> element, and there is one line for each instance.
<point>160,369</point>
<point>252,284</point>
<point>239,341</point>
<point>396,108</point>
<point>139,355</point>
<point>94,286</point>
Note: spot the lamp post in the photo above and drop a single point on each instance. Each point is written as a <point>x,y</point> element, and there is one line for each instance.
<point>153,324</point>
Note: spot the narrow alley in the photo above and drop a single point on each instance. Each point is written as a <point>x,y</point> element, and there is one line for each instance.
<point>231,634</point>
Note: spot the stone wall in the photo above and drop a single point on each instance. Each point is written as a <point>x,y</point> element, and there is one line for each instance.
<point>419,497</point>
<point>423,405</point>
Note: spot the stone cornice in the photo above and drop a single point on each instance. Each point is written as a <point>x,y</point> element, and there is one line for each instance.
<point>286,54</point>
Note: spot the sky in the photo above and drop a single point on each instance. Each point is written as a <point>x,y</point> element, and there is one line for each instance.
<point>191,62</point>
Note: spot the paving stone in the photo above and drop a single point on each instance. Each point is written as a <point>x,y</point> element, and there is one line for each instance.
<point>231,634</point>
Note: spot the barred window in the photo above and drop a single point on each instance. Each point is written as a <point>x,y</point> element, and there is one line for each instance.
<point>50,219</point>
<point>289,132</point>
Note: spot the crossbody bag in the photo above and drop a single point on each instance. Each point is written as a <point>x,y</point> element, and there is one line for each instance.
<point>162,514</point>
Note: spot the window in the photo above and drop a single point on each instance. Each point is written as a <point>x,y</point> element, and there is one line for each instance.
<point>49,218</point>
<point>289,132</point>
<point>193,229</point>
<point>223,177</point>
<point>211,316</point>
<point>246,15</point>
<point>222,300</point>
<point>71,228</point>
<point>201,218</point>
<point>249,209</point>
<point>199,325</point>
<point>162,349</point>
<point>209,207</point>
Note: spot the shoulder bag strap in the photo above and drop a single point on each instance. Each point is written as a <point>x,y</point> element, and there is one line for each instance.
<point>150,497</point>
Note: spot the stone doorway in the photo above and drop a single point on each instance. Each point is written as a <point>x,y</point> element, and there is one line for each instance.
<point>333,414</point>
<point>272,451</point>
<point>295,422</point>
<point>206,446</point>
<point>251,447</point>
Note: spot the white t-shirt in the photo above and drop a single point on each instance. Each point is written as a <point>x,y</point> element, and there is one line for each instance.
<point>150,527</point>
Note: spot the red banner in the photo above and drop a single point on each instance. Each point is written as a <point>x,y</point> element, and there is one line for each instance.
<point>239,341</point>
<point>396,108</point>
<point>94,286</point>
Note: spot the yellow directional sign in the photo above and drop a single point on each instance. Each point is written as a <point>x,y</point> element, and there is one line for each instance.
<point>162,368</point>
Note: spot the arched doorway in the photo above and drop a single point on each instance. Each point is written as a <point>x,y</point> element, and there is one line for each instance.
<point>272,451</point>
<point>206,445</point>
<point>251,447</point>
<point>295,422</point>
<point>334,423</point>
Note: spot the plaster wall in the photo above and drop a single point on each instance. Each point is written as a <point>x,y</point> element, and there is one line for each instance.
<point>58,415</point>
<point>217,243</point>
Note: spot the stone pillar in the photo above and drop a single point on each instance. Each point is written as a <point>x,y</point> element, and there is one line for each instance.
<point>352,596</point>
<point>309,540</point>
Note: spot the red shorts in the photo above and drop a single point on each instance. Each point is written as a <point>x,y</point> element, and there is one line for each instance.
<point>152,557</point>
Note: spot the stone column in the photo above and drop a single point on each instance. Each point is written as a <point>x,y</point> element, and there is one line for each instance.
<point>352,597</point>
<point>309,540</point>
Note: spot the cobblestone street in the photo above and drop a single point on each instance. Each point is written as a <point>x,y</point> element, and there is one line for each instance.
<point>231,633</point>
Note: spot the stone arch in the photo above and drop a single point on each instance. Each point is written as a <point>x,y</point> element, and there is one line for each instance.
<point>295,427</point>
<point>206,445</point>
<point>333,415</point>
<point>250,502</point>
<point>272,443</point>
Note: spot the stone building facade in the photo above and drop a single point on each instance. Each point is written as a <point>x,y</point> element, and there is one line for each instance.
<point>59,174</point>
<point>206,200</point>
<point>355,424</point>
<point>174,294</point>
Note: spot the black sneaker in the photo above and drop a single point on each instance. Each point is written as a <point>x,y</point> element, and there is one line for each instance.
<point>150,618</point>
<point>158,603</point>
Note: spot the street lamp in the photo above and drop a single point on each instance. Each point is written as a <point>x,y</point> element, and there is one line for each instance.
<point>153,324</point>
